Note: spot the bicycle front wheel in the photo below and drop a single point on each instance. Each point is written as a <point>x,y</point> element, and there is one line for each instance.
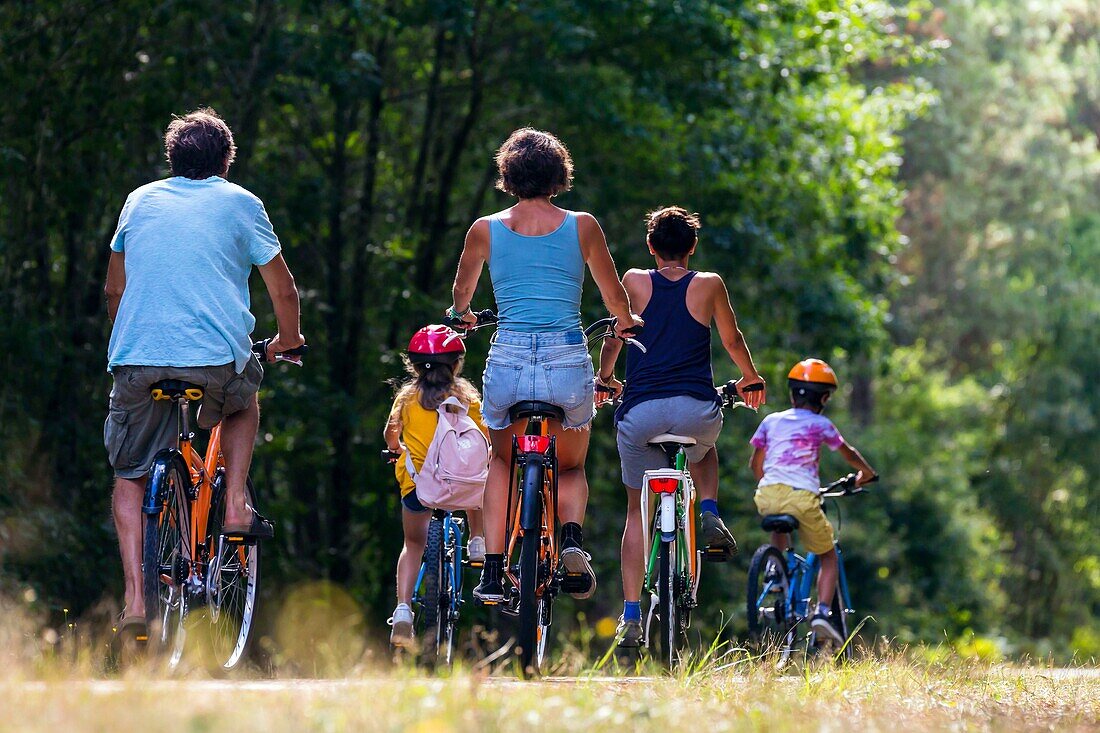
<point>165,558</point>
<point>232,587</point>
<point>767,598</point>
<point>432,616</point>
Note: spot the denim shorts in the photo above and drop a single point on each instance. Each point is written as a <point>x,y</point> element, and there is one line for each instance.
<point>548,367</point>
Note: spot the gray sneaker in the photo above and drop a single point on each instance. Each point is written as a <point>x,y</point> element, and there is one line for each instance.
<point>402,623</point>
<point>717,538</point>
<point>629,633</point>
<point>580,580</point>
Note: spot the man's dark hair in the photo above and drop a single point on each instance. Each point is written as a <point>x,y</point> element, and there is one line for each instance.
<point>199,145</point>
<point>532,164</point>
<point>672,231</point>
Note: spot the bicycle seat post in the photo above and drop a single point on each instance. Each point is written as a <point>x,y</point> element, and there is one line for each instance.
<point>185,418</point>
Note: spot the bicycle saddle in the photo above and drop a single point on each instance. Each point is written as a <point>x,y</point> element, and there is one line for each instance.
<point>782,523</point>
<point>671,438</point>
<point>534,408</point>
<point>172,389</point>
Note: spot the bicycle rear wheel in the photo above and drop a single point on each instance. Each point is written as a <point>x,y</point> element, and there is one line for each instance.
<point>433,595</point>
<point>843,651</point>
<point>666,604</point>
<point>767,596</point>
<point>530,606</point>
<point>165,563</point>
<point>232,586</point>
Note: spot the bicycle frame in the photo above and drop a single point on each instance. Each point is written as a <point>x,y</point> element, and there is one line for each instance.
<point>535,445</point>
<point>803,573</point>
<point>673,521</point>
<point>201,471</point>
<point>452,533</point>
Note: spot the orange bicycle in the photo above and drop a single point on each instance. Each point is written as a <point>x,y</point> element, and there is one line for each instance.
<point>188,565</point>
<point>533,571</point>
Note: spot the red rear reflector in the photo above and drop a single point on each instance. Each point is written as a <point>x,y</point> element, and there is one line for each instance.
<point>664,485</point>
<point>534,443</point>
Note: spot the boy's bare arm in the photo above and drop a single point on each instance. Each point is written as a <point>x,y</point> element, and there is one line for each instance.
<point>609,352</point>
<point>757,463</point>
<point>857,461</point>
<point>734,342</point>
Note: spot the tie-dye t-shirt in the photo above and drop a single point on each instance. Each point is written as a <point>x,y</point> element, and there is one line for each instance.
<point>791,441</point>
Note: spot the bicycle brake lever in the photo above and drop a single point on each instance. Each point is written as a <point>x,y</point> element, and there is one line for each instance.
<point>635,342</point>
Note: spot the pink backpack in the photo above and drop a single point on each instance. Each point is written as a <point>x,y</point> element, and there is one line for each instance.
<point>456,464</point>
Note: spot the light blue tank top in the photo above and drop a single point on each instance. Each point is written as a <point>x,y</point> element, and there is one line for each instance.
<point>537,280</point>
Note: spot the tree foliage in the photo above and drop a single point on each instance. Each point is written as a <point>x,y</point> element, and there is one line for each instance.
<point>368,130</point>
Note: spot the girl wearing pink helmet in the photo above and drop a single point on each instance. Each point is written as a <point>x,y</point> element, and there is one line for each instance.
<point>433,362</point>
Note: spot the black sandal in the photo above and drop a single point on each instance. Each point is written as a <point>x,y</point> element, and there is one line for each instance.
<point>261,528</point>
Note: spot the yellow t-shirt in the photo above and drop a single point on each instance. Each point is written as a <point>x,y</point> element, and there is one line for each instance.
<point>417,431</point>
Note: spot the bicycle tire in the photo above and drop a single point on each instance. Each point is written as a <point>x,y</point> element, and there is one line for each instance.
<point>431,618</point>
<point>162,542</point>
<point>769,627</point>
<point>452,595</point>
<point>530,610</point>
<point>837,608</point>
<point>230,607</point>
<point>666,608</point>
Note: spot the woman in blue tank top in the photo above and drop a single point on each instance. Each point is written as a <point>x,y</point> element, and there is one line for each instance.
<point>536,254</point>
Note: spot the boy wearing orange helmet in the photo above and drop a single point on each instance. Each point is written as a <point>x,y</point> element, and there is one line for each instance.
<point>786,450</point>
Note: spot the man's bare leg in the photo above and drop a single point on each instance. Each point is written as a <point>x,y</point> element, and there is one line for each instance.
<point>238,438</point>
<point>126,507</point>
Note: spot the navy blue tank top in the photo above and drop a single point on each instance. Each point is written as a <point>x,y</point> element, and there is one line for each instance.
<point>677,362</point>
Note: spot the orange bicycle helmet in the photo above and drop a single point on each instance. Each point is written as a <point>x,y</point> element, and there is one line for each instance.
<point>811,375</point>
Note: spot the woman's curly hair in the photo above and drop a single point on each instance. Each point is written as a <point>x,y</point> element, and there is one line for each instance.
<point>199,145</point>
<point>533,164</point>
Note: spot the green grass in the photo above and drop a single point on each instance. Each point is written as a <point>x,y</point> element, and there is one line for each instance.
<point>331,681</point>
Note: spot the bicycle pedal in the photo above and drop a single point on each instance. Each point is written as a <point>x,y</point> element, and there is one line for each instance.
<point>717,554</point>
<point>475,565</point>
<point>238,539</point>
<point>576,582</point>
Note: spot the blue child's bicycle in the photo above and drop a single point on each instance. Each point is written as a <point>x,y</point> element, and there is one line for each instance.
<point>779,588</point>
<point>437,598</point>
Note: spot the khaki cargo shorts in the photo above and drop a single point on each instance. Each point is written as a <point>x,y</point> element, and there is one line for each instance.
<point>137,427</point>
<point>805,506</point>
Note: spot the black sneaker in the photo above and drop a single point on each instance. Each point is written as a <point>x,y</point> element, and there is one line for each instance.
<point>579,580</point>
<point>717,538</point>
<point>490,591</point>
<point>823,626</point>
<point>629,633</point>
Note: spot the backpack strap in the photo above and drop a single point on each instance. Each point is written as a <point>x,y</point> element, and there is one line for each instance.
<point>453,401</point>
<point>408,462</point>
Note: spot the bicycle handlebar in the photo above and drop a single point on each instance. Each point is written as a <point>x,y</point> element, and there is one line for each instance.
<point>732,399</point>
<point>845,486</point>
<point>259,348</point>
<point>484,318</point>
<point>608,324</point>
<point>390,456</point>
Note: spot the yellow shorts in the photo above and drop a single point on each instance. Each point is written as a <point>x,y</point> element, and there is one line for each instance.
<point>805,506</point>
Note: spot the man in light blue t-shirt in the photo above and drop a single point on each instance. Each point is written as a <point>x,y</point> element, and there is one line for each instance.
<point>177,293</point>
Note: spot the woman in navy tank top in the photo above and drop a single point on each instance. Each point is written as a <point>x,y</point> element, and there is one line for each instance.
<point>536,253</point>
<point>670,388</point>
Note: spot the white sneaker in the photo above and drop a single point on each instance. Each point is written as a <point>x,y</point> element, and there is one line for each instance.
<point>402,623</point>
<point>476,549</point>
